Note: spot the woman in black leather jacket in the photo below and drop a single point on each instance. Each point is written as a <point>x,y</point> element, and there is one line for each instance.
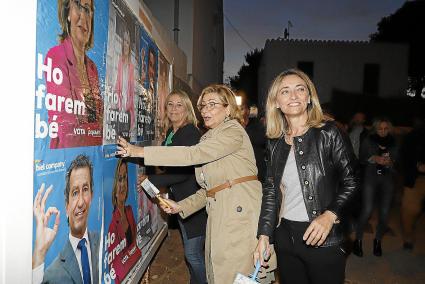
<point>311,176</point>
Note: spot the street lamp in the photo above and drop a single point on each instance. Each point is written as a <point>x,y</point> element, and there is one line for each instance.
<point>238,100</point>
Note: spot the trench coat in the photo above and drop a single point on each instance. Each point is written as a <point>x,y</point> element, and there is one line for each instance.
<point>223,154</point>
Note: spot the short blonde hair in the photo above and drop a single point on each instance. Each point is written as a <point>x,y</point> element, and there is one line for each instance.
<point>275,119</point>
<point>190,112</point>
<point>63,13</point>
<point>379,120</point>
<point>226,96</point>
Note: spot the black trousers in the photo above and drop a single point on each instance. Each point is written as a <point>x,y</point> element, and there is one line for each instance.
<point>384,186</point>
<point>300,263</point>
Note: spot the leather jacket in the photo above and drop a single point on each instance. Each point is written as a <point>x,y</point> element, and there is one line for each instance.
<point>328,174</point>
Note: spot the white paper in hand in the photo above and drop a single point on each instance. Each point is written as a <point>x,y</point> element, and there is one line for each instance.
<point>150,188</point>
<point>242,279</point>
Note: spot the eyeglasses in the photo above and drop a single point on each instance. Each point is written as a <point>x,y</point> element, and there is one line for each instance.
<point>171,106</point>
<point>209,106</point>
<point>83,8</point>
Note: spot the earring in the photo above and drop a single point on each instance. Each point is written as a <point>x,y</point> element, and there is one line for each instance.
<point>227,118</point>
<point>67,25</point>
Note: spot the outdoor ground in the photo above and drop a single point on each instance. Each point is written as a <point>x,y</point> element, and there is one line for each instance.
<point>395,266</point>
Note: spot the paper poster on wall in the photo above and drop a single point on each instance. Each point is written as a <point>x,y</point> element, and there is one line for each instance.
<point>148,215</point>
<point>69,84</point>
<point>122,248</point>
<point>148,78</point>
<point>163,91</point>
<point>121,74</point>
<point>70,72</point>
<point>68,203</point>
<point>93,82</point>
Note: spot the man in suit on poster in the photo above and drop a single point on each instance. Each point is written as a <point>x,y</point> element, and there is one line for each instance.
<point>78,262</point>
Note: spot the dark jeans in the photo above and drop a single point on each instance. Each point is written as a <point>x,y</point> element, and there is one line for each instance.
<point>383,187</point>
<point>195,256</point>
<point>303,264</point>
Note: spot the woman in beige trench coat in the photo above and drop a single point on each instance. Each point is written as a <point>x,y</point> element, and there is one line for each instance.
<point>223,156</point>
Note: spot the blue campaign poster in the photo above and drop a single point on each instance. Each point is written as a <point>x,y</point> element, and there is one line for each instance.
<point>68,203</point>
<point>70,73</point>
<point>68,179</point>
<point>147,97</point>
<point>120,251</point>
<point>148,217</point>
<point>94,62</point>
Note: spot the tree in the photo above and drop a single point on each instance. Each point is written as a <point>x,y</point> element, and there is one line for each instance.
<point>407,25</point>
<point>247,78</point>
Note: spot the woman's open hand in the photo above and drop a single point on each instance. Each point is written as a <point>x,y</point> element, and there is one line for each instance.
<point>319,229</point>
<point>125,149</point>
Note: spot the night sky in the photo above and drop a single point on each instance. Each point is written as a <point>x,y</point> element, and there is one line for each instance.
<point>258,21</point>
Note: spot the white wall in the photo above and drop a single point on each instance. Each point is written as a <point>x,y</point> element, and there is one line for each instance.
<point>208,44</point>
<point>17,29</point>
<point>337,65</point>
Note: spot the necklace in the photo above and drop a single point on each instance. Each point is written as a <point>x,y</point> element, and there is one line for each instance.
<point>82,73</point>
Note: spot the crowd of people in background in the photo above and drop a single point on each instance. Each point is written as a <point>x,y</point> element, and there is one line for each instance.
<point>281,185</point>
<point>391,165</point>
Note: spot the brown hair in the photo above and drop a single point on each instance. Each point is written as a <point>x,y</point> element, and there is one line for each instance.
<point>126,34</point>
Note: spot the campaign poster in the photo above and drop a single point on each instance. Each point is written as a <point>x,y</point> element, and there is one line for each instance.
<point>68,206</point>
<point>147,215</point>
<point>121,74</point>
<point>147,90</point>
<point>70,73</point>
<point>121,250</point>
<point>163,91</point>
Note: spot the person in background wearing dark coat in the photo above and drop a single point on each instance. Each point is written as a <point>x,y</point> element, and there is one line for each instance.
<point>357,131</point>
<point>256,131</point>
<point>413,163</point>
<point>378,154</point>
<point>180,120</point>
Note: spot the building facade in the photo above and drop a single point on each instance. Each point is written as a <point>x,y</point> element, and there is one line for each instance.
<point>364,68</point>
<point>197,28</point>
